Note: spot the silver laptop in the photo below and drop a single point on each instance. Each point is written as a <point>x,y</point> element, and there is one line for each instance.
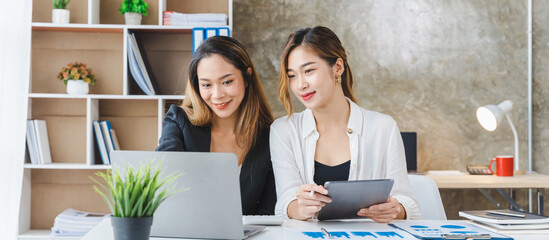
<point>209,208</point>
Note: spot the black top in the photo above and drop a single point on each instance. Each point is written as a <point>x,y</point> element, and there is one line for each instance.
<point>325,173</point>
<point>257,186</point>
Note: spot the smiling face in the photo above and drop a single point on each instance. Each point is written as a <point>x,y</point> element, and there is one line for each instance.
<point>221,86</point>
<point>312,80</point>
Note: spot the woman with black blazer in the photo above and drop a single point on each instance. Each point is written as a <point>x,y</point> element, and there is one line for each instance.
<point>225,110</point>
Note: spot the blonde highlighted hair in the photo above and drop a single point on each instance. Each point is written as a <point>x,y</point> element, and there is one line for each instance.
<point>323,42</point>
<point>254,111</point>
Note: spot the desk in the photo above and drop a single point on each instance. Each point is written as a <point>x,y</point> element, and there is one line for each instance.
<point>466,181</point>
<point>103,230</point>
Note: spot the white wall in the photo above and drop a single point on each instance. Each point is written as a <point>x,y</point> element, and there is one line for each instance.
<point>15,19</point>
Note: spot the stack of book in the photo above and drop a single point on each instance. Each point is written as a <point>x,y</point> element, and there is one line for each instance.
<point>507,221</point>
<point>172,18</point>
<point>37,142</point>
<point>106,139</point>
<point>75,223</point>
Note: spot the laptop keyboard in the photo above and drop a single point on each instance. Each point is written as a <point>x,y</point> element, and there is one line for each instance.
<point>270,220</point>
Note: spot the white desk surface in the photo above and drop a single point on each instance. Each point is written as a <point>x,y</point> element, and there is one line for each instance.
<point>104,230</point>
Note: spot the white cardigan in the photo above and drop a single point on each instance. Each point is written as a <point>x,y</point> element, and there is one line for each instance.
<point>377,152</point>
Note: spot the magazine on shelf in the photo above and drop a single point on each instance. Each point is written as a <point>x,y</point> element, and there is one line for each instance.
<point>31,143</point>
<point>134,69</point>
<point>109,143</point>
<point>42,141</point>
<point>143,63</point>
<point>101,142</point>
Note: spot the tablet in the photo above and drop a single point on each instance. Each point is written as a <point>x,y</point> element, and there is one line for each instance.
<point>350,196</point>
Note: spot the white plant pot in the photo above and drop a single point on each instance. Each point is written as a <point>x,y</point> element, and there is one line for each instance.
<point>60,16</point>
<point>77,87</point>
<point>133,18</point>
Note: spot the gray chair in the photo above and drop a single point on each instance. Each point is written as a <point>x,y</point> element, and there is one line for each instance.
<point>428,197</point>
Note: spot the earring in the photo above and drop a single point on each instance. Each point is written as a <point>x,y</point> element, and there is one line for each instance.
<point>338,79</point>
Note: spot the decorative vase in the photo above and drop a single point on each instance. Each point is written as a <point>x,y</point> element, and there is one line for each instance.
<point>131,228</point>
<point>132,18</point>
<point>60,16</point>
<point>77,87</point>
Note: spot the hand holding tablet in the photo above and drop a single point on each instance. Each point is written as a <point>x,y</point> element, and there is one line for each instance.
<point>348,197</point>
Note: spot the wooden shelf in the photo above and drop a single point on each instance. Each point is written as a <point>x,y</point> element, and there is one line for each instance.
<point>97,36</point>
<point>105,96</point>
<point>115,28</point>
<point>41,234</point>
<point>66,166</point>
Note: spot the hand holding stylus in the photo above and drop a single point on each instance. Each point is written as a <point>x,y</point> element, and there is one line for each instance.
<point>310,199</point>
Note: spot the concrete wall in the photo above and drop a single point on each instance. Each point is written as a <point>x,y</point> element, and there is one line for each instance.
<point>427,63</point>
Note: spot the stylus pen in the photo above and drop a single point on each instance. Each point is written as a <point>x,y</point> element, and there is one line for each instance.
<point>507,214</point>
<point>326,233</point>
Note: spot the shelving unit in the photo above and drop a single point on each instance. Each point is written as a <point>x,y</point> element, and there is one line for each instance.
<point>97,36</point>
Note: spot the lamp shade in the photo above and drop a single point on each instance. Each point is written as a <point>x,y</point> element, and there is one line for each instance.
<point>490,116</point>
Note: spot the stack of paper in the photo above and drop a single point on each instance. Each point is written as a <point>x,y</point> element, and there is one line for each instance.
<point>447,230</point>
<point>196,19</point>
<point>38,142</point>
<point>75,223</point>
<point>505,219</point>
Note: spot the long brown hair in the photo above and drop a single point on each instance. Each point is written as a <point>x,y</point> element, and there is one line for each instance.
<point>254,112</point>
<point>323,42</point>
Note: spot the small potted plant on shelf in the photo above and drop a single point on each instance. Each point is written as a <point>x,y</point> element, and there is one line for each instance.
<point>60,14</point>
<point>133,198</point>
<point>77,77</point>
<point>132,11</point>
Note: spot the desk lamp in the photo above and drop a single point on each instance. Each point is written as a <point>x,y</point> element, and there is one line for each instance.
<point>490,117</point>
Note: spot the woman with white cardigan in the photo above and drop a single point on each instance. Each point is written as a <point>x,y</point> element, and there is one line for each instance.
<point>333,139</point>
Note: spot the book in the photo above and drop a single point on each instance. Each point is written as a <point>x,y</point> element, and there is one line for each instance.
<point>101,143</point>
<point>115,140</point>
<point>517,226</point>
<point>106,130</point>
<point>135,70</point>
<point>199,19</point>
<point>510,231</point>
<point>484,217</point>
<point>42,141</point>
<point>31,143</point>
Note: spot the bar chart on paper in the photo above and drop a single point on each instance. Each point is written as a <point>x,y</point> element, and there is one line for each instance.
<point>380,234</point>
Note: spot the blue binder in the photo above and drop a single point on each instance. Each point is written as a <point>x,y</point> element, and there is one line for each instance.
<point>210,32</point>
<point>198,37</point>
<point>223,31</point>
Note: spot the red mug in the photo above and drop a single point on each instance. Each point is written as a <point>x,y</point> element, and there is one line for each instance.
<point>504,166</point>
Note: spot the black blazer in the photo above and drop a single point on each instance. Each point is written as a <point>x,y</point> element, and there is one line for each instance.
<point>257,186</point>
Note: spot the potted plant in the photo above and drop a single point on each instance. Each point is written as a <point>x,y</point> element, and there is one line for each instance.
<point>77,77</point>
<point>134,197</point>
<point>132,11</point>
<point>60,14</point>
